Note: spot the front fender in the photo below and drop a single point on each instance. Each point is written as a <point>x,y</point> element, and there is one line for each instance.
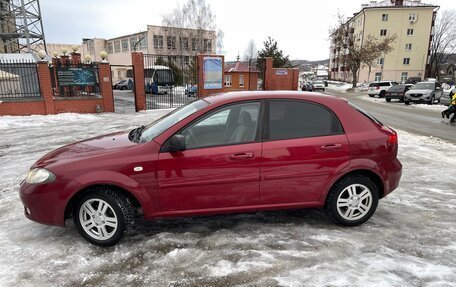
<point>106,177</point>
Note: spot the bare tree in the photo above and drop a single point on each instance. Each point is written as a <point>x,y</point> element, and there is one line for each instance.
<point>374,49</point>
<point>198,16</point>
<point>355,52</point>
<point>444,42</point>
<point>251,52</point>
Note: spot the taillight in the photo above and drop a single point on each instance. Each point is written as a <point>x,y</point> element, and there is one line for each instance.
<point>392,140</point>
<point>378,87</point>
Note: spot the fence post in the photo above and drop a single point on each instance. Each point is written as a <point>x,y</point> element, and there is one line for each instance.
<point>104,77</point>
<point>137,60</point>
<point>44,78</point>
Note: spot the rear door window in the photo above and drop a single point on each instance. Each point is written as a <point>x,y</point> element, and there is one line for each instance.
<point>289,119</point>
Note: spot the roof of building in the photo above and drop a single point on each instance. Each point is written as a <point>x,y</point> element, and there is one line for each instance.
<point>239,67</point>
<point>19,57</point>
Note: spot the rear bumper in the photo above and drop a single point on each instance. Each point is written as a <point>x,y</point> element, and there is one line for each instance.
<point>392,172</point>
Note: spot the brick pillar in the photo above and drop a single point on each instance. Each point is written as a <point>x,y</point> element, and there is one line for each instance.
<point>75,58</point>
<point>268,74</point>
<point>44,77</point>
<point>104,76</point>
<point>201,91</point>
<point>137,61</point>
<point>295,83</point>
<point>55,64</point>
<point>65,60</point>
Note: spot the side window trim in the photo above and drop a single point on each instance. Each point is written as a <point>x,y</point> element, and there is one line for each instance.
<point>258,135</point>
<point>266,133</point>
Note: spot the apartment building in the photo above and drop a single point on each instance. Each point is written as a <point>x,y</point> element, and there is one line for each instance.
<point>158,40</point>
<point>413,24</point>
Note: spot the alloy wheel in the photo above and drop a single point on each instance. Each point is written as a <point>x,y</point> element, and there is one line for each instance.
<point>354,202</point>
<point>98,219</point>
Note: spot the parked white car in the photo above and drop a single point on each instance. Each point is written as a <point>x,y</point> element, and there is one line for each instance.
<point>427,92</point>
<point>319,85</point>
<point>379,88</point>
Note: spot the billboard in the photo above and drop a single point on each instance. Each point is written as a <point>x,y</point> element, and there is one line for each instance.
<point>213,73</point>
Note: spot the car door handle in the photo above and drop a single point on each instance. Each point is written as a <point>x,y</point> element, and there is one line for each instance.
<point>244,155</point>
<point>331,147</point>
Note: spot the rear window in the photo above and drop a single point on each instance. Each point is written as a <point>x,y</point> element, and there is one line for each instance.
<point>366,114</point>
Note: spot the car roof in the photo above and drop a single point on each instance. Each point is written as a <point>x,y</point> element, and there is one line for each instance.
<point>256,95</point>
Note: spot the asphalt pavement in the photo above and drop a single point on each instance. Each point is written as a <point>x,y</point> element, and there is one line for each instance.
<point>399,116</point>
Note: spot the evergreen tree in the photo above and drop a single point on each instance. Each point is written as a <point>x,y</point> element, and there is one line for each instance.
<point>271,50</point>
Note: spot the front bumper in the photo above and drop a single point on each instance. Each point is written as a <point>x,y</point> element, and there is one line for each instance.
<point>42,202</point>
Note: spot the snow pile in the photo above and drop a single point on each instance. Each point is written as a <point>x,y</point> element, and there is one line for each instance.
<point>339,86</point>
<point>422,106</point>
<point>410,241</point>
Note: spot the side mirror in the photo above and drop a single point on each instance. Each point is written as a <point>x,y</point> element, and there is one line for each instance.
<point>177,143</point>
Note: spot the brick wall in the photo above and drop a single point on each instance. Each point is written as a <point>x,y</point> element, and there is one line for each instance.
<point>279,78</point>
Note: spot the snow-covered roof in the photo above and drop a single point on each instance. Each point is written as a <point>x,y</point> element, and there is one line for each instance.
<point>388,3</point>
<point>157,67</point>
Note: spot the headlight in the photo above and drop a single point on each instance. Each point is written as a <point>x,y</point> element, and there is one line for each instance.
<point>39,175</point>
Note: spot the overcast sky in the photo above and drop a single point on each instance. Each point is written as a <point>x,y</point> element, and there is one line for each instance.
<point>300,27</point>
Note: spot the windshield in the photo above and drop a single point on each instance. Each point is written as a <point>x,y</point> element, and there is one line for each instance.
<point>423,86</point>
<point>157,127</point>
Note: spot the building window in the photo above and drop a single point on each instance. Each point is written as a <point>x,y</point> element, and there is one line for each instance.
<point>158,42</point>
<point>184,43</point>
<point>241,81</point>
<point>381,61</point>
<point>227,80</point>
<point>109,47</point>
<point>207,45</point>
<point>404,77</point>
<point>194,44</point>
<point>409,32</point>
<point>125,45</point>
<point>408,46</point>
<point>378,77</point>
<point>143,43</point>
<point>171,42</point>
<point>133,41</point>
<point>117,46</point>
<point>91,47</point>
<point>412,17</point>
<point>383,32</point>
<point>384,17</point>
<point>186,60</point>
<point>406,61</point>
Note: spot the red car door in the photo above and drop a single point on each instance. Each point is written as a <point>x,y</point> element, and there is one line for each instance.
<point>305,144</point>
<point>220,167</point>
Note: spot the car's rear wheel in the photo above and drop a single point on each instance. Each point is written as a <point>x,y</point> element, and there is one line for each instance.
<point>103,216</point>
<point>371,96</point>
<point>388,99</point>
<point>382,94</point>
<point>352,201</point>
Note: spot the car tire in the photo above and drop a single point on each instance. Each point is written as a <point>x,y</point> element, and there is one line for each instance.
<point>407,102</point>
<point>382,94</point>
<point>103,217</point>
<point>352,200</point>
<point>123,88</point>
<point>388,99</point>
<point>432,100</point>
<point>371,96</point>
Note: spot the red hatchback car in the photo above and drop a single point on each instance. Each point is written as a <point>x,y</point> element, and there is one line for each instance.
<point>234,152</point>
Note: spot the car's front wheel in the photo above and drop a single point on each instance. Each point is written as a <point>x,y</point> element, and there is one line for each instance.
<point>432,100</point>
<point>352,201</point>
<point>388,99</point>
<point>103,216</point>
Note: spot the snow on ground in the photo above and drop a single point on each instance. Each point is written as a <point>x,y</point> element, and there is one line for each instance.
<point>422,106</point>
<point>339,86</point>
<point>410,240</point>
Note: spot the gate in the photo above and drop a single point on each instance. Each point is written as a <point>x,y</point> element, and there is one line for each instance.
<point>170,81</point>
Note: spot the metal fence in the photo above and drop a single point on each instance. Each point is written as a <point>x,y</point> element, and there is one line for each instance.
<point>19,79</point>
<point>170,81</point>
<point>75,80</point>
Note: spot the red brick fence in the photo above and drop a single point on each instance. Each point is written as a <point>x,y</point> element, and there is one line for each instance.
<point>52,96</point>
